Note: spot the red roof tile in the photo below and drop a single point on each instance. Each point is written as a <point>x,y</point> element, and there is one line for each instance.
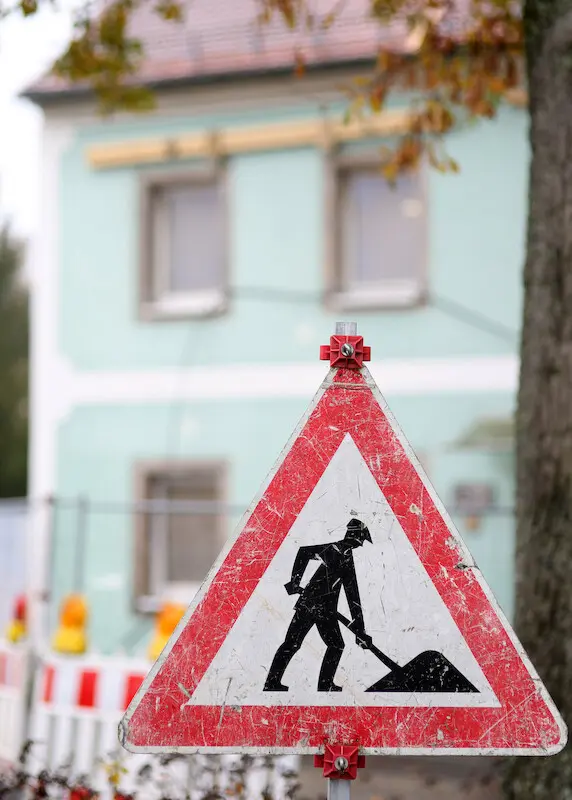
<point>224,37</point>
<point>220,37</point>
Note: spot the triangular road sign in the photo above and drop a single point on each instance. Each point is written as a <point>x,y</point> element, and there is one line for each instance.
<point>345,610</point>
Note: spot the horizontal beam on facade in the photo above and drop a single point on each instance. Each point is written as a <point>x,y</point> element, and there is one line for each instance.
<point>241,139</point>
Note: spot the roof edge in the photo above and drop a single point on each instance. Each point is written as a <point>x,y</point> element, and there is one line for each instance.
<point>53,97</point>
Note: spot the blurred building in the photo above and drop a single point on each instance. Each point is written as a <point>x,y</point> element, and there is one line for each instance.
<point>191,262</point>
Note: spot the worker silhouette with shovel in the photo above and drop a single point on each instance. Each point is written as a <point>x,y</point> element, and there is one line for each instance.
<point>318,605</point>
<point>430,671</point>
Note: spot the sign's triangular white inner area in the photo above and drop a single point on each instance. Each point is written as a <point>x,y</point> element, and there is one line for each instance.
<point>403,612</point>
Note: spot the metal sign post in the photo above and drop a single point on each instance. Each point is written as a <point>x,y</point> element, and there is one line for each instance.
<point>339,765</point>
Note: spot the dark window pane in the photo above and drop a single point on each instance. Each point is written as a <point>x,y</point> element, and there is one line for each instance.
<point>381,229</point>
<point>190,542</point>
<point>190,247</point>
<point>193,543</point>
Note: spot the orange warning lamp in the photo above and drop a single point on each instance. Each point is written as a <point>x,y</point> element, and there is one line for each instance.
<point>70,636</point>
<point>165,623</point>
<point>17,627</point>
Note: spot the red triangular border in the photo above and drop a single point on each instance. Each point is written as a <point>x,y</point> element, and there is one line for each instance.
<point>527,721</point>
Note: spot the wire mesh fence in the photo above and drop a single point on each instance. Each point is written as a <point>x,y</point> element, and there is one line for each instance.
<point>128,557</point>
<point>13,517</point>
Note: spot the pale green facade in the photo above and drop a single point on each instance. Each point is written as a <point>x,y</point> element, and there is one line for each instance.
<point>277,240</point>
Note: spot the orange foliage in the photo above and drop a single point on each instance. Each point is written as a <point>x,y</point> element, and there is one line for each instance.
<point>453,68</point>
<point>454,61</point>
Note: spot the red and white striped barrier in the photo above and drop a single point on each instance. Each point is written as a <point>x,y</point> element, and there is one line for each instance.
<point>14,677</point>
<point>78,703</point>
<point>108,686</point>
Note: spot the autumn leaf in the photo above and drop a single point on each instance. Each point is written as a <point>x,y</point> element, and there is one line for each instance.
<point>28,7</point>
<point>432,155</point>
<point>289,10</point>
<point>416,36</point>
<point>328,20</point>
<point>511,73</point>
<point>376,98</point>
<point>390,172</point>
<point>265,16</point>
<point>169,10</point>
<point>497,84</point>
<point>388,61</point>
<point>114,770</point>
<point>409,152</point>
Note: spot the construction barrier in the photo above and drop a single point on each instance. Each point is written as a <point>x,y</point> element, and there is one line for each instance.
<point>76,709</point>
<point>14,683</point>
<point>72,721</point>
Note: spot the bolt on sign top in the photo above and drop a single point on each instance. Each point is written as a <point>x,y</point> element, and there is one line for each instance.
<point>346,348</point>
<point>346,614</point>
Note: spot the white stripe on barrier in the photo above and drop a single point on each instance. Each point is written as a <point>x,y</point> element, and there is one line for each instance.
<point>86,743</point>
<point>110,690</point>
<point>65,683</point>
<point>14,677</point>
<point>61,749</point>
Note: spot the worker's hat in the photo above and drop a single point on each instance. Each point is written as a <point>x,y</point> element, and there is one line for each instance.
<point>358,530</point>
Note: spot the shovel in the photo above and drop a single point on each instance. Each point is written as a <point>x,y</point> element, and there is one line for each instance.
<point>430,671</point>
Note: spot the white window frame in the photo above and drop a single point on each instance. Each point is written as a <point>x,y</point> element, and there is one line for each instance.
<point>150,549</point>
<point>392,294</point>
<point>156,301</point>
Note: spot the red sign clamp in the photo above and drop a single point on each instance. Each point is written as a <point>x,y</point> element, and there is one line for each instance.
<point>340,761</point>
<point>346,349</point>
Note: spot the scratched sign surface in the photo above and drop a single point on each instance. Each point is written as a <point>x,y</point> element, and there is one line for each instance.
<point>345,609</point>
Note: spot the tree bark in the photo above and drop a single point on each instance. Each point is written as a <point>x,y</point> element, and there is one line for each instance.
<point>544,415</point>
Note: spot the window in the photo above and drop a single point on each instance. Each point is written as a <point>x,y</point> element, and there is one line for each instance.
<point>176,547</point>
<point>184,245</point>
<point>380,243</point>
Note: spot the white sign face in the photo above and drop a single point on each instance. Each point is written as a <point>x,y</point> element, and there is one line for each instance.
<point>403,612</point>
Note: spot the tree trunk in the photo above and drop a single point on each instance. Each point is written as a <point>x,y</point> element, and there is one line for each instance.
<point>544,416</point>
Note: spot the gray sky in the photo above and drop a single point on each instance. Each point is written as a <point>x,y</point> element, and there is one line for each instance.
<point>27,48</point>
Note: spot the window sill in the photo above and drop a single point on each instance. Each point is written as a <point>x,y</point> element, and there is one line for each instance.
<point>177,593</point>
<point>399,295</point>
<point>183,306</point>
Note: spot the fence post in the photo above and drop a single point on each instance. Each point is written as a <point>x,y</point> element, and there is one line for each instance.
<point>40,533</point>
